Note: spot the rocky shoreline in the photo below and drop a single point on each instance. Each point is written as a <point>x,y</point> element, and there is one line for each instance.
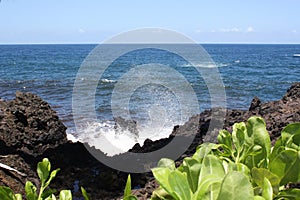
<point>30,130</point>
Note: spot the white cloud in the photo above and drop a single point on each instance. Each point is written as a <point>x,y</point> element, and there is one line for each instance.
<point>250,29</point>
<point>81,30</point>
<point>294,31</point>
<point>226,30</point>
<point>199,31</point>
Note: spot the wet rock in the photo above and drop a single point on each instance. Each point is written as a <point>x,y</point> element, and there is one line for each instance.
<point>122,126</point>
<point>30,131</point>
<point>150,146</point>
<point>277,115</point>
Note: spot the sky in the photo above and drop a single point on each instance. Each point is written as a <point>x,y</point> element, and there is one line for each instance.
<point>205,21</point>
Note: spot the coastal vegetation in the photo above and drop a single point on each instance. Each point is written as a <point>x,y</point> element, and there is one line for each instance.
<point>21,151</point>
<point>243,165</point>
<point>44,193</point>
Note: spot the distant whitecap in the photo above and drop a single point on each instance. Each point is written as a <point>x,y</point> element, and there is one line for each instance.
<point>107,81</point>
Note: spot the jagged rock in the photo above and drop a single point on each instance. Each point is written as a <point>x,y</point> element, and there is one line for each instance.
<point>35,130</point>
<point>292,93</point>
<point>28,124</point>
<point>255,103</point>
<point>30,131</point>
<point>277,115</point>
<point>122,125</point>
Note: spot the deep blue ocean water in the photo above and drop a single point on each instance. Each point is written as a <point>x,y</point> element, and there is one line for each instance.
<point>266,71</point>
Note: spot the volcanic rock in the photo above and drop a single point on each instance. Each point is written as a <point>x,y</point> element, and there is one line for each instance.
<point>30,130</point>
<point>122,125</point>
<point>28,124</point>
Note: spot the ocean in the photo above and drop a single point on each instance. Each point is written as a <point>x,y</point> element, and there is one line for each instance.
<point>265,71</point>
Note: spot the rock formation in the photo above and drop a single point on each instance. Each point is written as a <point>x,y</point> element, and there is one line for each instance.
<point>29,125</point>
<point>30,130</point>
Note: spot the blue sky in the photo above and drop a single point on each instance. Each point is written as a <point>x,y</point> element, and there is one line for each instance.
<point>205,21</point>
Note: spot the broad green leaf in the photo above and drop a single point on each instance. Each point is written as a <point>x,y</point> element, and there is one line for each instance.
<point>160,194</point>
<point>257,134</point>
<point>228,166</point>
<point>127,191</point>
<point>211,165</point>
<point>276,150</point>
<point>192,168</point>
<point>65,195</point>
<point>43,170</point>
<point>203,150</point>
<point>161,175</point>
<point>267,191</point>
<point>6,193</point>
<point>292,194</point>
<point>255,150</point>
<point>296,142</point>
<point>238,136</point>
<point>289,131</point>
<point>48,192</point>
<point>258,175</point>
<point>180,186</point>
<point>225,138</point>
<point>84,194</point>
<point>240,167</point>
<point>213,191</point>
<point>259,198</point>
<point>205,189</point>
<point>18,197</point>
<point>52,197</point>
<point>225,152</point>
<point>236,186</point>
<point>286,165</point>
<point>165,162</point>
<point>52,176</point>
<point>290,137</point>
<point>30,190</point>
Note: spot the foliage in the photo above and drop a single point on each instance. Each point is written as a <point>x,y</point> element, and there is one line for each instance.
<point>45,193</point>
<point>84,194</point>
<point>241,166</point>
<point>127,191</point>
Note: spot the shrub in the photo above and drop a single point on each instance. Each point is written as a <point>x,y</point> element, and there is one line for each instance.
<point>45,193</point>
<point>242,166</point>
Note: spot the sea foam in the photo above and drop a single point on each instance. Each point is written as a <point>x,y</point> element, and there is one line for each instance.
<point>103,136</point>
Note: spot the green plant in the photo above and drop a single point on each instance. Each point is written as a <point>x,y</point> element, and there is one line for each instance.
<point>45,193</point>
<point>84,194</point>
<point>128,191</point>
<point>242,166</point>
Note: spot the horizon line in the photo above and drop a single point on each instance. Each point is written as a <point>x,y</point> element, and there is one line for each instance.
<point>90,43</point>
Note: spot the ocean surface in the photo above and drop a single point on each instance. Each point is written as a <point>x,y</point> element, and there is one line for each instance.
<point>265,71</point>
